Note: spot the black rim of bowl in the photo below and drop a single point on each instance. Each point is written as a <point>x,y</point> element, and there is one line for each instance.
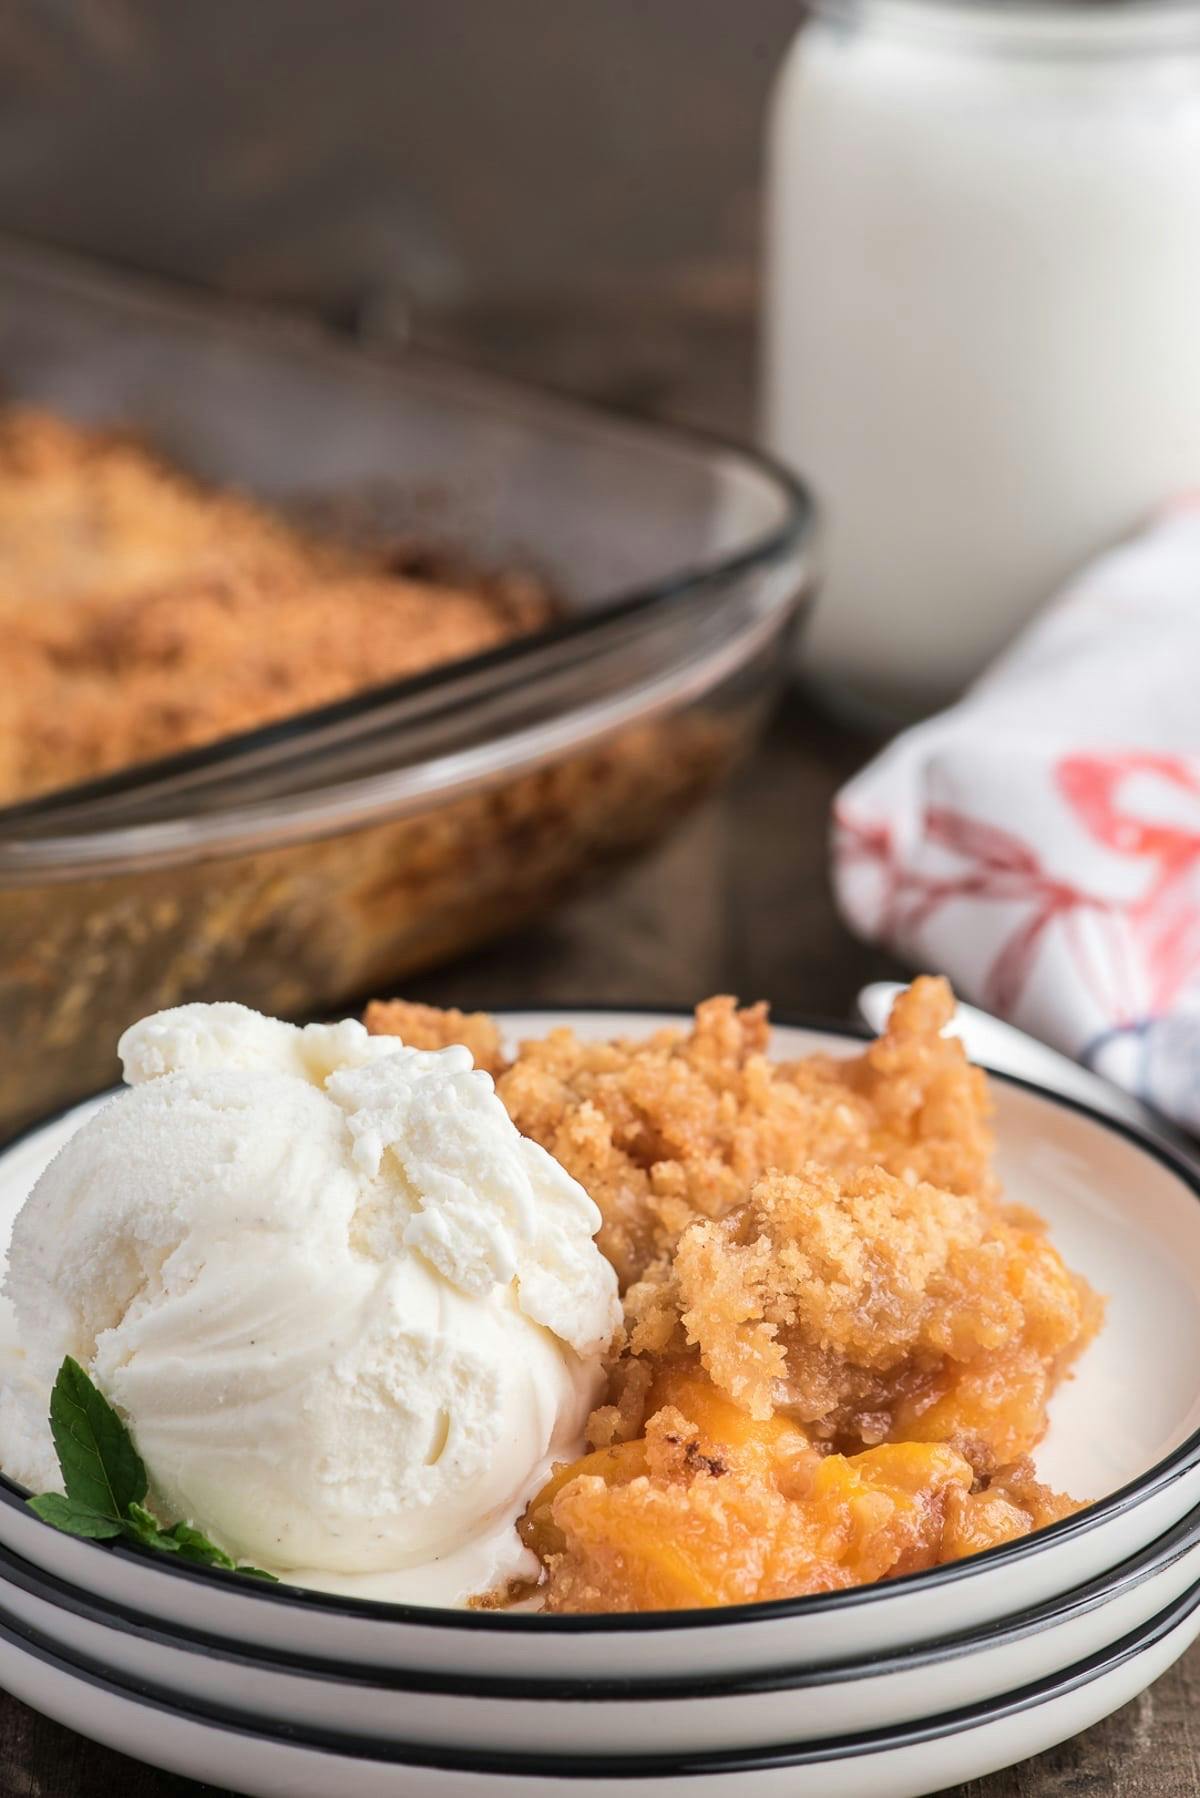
<point>1166,1552</point>
<point>1126,1498</point>
<point>32,1643</point>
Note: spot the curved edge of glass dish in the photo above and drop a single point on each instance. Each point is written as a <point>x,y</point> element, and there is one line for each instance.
<point>393,749</point>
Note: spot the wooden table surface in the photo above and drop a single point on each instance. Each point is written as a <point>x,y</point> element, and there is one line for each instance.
<point>739,902</point>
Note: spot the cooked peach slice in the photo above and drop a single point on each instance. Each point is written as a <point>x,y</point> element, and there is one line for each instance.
<point>713,1507</point>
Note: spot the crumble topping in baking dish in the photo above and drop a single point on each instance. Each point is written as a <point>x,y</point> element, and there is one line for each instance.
<point>144,613</point>
<point>839,1341</point>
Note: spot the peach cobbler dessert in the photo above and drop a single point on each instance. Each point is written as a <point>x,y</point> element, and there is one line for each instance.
<point>839,1341</point>
<point>144,611</point>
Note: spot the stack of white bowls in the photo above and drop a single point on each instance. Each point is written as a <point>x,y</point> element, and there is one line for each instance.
<point>901,1688</point>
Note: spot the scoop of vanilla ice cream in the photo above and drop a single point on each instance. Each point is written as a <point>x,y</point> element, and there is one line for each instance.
<point>349,1312</point>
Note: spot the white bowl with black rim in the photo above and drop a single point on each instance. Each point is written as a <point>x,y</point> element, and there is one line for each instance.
<point>615,1716</point>
<point>1125,1430</point>
<point>226,1747</point>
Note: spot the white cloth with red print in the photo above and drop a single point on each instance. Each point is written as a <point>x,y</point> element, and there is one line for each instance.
<point>1040,841</point>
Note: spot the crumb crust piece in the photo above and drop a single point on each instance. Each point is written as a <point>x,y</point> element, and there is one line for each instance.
<point>839,1340</point>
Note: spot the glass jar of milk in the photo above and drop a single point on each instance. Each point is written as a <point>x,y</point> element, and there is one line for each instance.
<point>982,314</point>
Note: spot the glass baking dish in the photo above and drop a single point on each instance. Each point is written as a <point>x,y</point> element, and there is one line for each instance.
<point>302,864</point>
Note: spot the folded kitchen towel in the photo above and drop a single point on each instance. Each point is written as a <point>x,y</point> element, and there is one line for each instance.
<point>1040,841</point>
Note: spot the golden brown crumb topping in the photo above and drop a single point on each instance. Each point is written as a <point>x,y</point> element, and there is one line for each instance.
<point>682,1124</point>
<point>144,613</point>
<point>839,1342</point>
<point>871,1309</point>
<point>428,1027</point>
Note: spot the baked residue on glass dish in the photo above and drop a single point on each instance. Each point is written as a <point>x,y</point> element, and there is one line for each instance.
<point>839,1342</point>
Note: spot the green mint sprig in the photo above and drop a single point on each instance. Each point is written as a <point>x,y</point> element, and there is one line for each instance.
<point>105,1480</point>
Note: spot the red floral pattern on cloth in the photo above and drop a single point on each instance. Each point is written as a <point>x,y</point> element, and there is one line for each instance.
<point>1040,842</point>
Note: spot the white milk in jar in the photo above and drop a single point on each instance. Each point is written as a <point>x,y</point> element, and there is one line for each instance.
<point>983,312</point>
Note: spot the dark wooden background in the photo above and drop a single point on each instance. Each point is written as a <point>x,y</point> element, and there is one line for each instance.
<point>337,151</point>
<point>569,191</point>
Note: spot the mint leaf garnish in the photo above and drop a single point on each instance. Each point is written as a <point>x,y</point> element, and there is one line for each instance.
<point>194,1545</point>
<point>78,1520</point>
<point>142,1526</point>
<point>105,1480</point>
<point>100,1466</point>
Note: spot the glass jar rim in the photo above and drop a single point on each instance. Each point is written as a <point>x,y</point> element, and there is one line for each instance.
<point>1030,28</point>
